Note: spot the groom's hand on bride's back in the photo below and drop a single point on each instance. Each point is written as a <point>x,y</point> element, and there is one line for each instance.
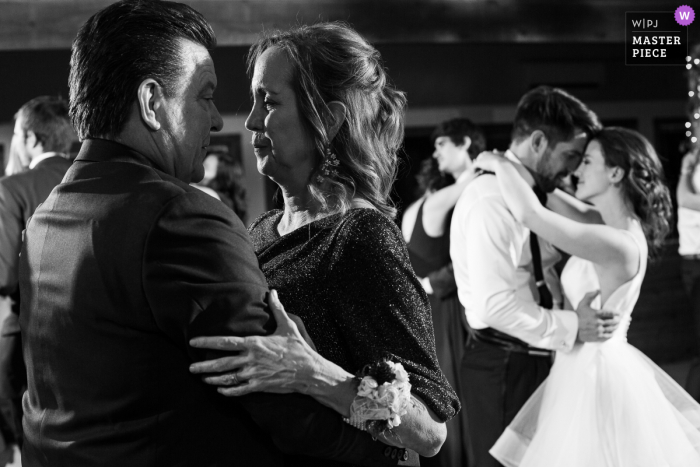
<point>595,325</point>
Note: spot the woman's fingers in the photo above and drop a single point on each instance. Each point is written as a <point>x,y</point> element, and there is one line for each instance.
<point>219,342</point>
<point>226,379</point>
<point>219,365</point>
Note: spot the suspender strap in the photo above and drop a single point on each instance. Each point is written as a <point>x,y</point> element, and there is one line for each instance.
<point>545,294</point>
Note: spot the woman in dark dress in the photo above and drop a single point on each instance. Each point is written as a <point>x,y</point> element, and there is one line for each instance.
<point>426,229</point>
<point>326,127</point>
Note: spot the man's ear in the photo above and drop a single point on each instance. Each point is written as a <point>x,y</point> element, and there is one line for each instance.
<point>338,110</point>
<point>467,143</point>
<point>148,95</point>
<point>30,139</point>
<point>538,142</point>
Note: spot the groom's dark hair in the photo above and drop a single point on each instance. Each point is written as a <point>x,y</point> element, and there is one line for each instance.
<point>119,47</point>
<point>554,112</point>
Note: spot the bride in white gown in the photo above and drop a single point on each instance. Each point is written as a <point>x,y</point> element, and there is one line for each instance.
<point>603,404</point>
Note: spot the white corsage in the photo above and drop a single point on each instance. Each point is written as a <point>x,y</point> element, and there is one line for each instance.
<point>382,397</point>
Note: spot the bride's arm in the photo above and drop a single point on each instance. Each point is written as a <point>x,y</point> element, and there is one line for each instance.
<point>283,363</point>
<point>566,205</point>
<point>597,243</point>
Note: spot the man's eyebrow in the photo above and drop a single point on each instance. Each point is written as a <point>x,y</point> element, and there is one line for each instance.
<point>209,86</point>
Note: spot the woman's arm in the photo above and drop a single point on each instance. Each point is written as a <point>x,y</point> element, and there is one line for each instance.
<point>283,362</point>
<point>597,243</point>
<point>408,221</point>
<point>438,205</point>
<point>568,206</point>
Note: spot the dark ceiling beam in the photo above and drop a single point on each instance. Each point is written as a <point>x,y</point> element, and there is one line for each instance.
<point>52,24</point>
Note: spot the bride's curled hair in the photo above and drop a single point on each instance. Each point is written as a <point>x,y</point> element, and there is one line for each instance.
<point>332,62</point>
<point>643,185</point>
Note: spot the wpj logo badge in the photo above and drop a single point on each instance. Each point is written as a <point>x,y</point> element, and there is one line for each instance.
<point>657,37</point>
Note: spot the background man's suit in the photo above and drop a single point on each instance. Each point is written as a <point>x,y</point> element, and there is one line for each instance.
<point>121,266</point>
<point>20,195</point>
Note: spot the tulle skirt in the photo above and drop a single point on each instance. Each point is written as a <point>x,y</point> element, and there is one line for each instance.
<point>604,405</point>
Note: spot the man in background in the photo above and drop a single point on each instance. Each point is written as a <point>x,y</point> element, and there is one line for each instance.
<point>41,141</point>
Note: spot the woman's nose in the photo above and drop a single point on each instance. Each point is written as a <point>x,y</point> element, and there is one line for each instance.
<point>254,121</point>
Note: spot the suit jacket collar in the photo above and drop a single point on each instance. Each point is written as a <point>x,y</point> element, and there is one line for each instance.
<point>103,150</point>
<point>45,156</point>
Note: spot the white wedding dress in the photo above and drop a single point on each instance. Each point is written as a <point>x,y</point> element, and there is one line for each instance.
<point>604,404</point>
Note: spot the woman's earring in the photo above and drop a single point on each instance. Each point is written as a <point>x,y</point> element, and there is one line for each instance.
<point>330,162</point>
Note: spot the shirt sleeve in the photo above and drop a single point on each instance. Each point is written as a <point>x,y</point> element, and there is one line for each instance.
<point>492,263</point>
<point>388,313</point>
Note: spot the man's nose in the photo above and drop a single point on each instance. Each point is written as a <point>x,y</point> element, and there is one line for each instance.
<point>217,123</point>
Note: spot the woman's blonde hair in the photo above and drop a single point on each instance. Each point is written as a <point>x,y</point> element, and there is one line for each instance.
<point>332,62</point>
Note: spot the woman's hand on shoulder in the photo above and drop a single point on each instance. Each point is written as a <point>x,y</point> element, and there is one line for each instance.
<point>489,161</point>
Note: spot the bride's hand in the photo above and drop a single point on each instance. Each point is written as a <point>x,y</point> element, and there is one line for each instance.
<point>282,362</point>
<point>489,160</point>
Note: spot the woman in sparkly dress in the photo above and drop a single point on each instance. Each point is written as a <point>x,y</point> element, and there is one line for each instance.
<point>326,127</point>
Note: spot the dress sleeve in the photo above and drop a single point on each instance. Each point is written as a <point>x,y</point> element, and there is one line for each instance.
<point>387,311</point>
<point>201,277</point>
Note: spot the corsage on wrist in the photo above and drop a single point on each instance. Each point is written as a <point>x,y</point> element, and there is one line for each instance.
<point>382,397</point>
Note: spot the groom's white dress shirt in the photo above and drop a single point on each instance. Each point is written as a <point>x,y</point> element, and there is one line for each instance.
<point>492,262</point>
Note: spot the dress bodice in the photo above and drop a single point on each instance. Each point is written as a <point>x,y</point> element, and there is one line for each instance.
<point>349,279</point>
<point>427,253</point>
<point>579,277</point>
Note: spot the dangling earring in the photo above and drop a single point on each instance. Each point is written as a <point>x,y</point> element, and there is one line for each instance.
<point>327,168</point>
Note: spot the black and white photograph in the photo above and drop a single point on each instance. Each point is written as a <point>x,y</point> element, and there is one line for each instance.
<point>327,233</point>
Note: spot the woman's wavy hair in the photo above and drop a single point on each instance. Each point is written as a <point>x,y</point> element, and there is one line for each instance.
<point>643,184</point>
<point>332,62</point>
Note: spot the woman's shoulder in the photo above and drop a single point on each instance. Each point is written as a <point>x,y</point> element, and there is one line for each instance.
<point>264,219</point>
<point>368,226</point>
<point>262,230</point>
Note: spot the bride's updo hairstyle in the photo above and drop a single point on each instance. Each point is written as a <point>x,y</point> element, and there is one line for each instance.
<point>332,62</point>
<point>643,184</point>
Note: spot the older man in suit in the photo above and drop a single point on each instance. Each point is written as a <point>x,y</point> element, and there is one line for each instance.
<point>125,262</point>
<point>42,138</point>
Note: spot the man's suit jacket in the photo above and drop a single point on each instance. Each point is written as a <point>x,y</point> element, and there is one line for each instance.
<point>20,195</point>
<point>121,266</point>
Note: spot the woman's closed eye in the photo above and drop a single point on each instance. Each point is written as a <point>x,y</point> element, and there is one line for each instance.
<point>269,105</point>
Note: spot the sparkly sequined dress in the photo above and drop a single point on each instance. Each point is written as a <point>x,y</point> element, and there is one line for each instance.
<point>348,277</point>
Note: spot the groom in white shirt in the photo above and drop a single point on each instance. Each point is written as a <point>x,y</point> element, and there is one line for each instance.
<point>512,302</point>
